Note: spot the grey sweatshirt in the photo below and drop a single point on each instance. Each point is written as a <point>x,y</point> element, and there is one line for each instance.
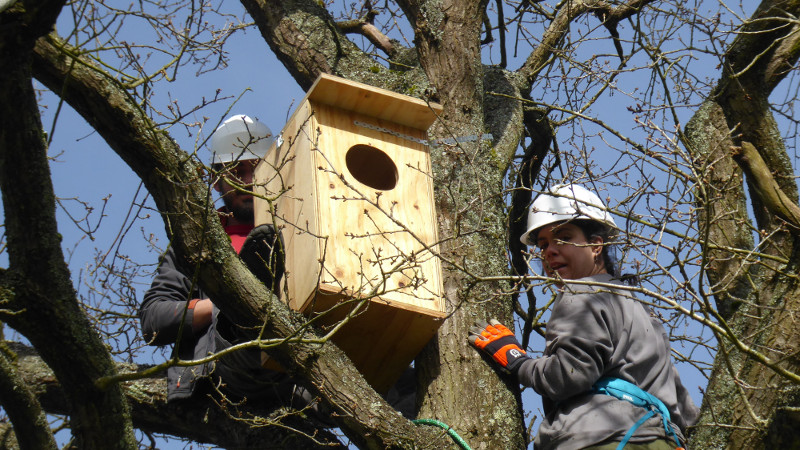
<point>595,332</point>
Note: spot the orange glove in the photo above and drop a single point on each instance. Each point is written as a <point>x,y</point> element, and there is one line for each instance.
<point>498,342</point>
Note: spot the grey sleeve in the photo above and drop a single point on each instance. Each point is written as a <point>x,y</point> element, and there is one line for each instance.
<point>579,344</point>
<point>687,413</point>
<point>163,314</point>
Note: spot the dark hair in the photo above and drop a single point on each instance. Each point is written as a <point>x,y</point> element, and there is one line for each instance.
<point>593,229</point>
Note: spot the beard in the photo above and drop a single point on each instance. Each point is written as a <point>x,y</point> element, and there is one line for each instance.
<point>242,211</point>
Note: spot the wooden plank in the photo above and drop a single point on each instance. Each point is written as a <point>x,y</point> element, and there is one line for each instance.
<point>377,238</point>
<point>374,102</point>
<point>284,178</point>
<point>381,340</point>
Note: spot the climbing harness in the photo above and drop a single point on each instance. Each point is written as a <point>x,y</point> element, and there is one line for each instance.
<point>623,390</point>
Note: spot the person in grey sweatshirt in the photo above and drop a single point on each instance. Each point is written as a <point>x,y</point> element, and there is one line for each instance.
<point>604,349</point>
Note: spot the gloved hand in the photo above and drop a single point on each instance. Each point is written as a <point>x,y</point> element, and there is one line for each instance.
<point>262,252</point>
<point>498,342</point>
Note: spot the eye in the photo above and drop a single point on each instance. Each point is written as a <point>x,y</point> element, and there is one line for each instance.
<point>565,237</point>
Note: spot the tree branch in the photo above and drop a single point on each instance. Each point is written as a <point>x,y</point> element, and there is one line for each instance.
<point>223,424</point>
<point>42,302</point>
<point>552,37</point>
<point>22,407</point>
<point>765,186</point>
<point>754,64</point>
<point>365,26</point>
<point>308,41</point>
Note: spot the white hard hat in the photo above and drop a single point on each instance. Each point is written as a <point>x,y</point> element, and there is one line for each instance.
<point>240,138</point>
<point>565,202</point>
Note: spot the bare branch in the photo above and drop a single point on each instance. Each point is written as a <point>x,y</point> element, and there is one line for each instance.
<point>764,184</point>
<point>365,26</point>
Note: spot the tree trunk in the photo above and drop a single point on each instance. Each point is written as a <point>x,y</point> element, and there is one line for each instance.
<point>467,177</point>
<point>38,297</point>
<point>756,293</point>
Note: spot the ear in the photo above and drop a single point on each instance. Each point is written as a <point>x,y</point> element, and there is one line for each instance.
<point>597,245</point>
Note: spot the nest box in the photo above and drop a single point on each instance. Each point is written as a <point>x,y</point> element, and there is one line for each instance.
<point>349,186</point>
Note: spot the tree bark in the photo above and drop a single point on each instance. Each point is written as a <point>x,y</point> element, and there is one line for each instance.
<point>205,419</point>
<point>37,294</point>
<point>755,291</point>
<point>23,408</point>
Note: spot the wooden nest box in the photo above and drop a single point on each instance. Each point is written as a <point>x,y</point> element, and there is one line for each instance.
<point>349,186</point>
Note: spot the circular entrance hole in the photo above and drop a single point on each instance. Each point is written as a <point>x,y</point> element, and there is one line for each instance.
<point>371,167</point>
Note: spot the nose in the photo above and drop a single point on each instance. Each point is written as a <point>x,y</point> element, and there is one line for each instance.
<point>550,250</point>
<point>246,178</point>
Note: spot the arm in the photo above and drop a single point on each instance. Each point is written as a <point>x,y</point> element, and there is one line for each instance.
<point>164,312</point>
<point>579,346</point>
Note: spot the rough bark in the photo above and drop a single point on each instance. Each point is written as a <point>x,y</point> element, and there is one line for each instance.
<point>21,405</point>
<point>307,40</point>
<point>467,179</point>
<point>203,419</point>
<point>757,294</point>
<point>38,297</point>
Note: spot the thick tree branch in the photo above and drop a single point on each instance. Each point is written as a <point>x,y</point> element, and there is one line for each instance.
<point>42,303</point>
<point>764,184</point>
<point>755,63</point>
<point>199,419</point>
<point>467,178</point>
<point>8,439</point>
<point>739,112</point>
<point>723,218</point>
<point>740,103</point>
<point>22,407</point>
<point>308,41</point>
<point>767,47</point>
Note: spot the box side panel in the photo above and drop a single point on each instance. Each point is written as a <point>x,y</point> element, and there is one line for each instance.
<point>380,339</point>
<point>380,240</point>
<point>284,180</point>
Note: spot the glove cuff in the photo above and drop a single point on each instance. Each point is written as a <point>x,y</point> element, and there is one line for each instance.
<point>515,357</point>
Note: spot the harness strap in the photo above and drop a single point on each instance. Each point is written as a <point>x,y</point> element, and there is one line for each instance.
<point>624,390</point>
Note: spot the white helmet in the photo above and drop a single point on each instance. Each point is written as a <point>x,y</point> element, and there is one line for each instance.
<point>240,138</point>
<point>565,202</point>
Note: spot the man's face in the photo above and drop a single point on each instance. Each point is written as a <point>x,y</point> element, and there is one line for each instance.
<point>239,203</point>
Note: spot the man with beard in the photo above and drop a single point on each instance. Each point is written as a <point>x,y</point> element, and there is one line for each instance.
<point>175,311</point>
